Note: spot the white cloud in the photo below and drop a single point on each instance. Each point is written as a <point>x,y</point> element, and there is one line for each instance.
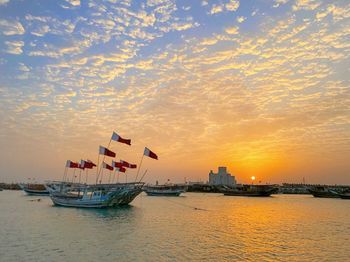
<point>241,19</point>
<point>4,2</point>
<point>216,9</point>
<point>13,27</point>
<point>14,47</point>
<point>232,5</point>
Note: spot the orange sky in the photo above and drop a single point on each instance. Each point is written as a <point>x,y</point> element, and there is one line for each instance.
<point>262,88</point>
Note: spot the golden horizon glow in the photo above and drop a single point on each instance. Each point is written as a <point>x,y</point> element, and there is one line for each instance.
<point>263,89</point>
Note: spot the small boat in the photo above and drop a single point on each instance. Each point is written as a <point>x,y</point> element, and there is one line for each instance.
<point>251,191</point>
<point>97,196</point>
<point>324,192</point>
<point>35,189</point>
<point>165,190</point>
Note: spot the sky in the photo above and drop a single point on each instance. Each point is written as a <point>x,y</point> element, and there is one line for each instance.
<point>261,87</point>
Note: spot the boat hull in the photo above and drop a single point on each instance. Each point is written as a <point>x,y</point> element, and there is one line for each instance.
<point>118,198</point>
<point>151,193</point>
<point>36,192</point>
<point>324,194</point>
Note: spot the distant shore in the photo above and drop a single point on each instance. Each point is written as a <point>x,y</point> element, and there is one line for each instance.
<point>285,188</point>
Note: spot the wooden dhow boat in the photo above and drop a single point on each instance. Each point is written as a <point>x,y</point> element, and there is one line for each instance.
<point>164,190</point>
<point>251,191</point>
<point>98,195</point>
<point>323,192</point>
<point>34,189</point>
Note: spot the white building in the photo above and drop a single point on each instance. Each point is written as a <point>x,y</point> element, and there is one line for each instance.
<point>221,178</point>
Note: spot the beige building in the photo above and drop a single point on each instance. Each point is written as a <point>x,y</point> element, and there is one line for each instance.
<point>221,178</point>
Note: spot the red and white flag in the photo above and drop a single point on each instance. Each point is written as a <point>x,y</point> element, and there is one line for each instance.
<point>117,164</point>
<point>87,164</point>
<point>71,164</point>
<point>118,138</point>
<point>121,169</point>
<point>106,166</point>
<point>106,152</point>
<point>81,166</point>
<point>128,165</point>
<point>150,154</point>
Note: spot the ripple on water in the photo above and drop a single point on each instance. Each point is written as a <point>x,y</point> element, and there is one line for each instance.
<point>281,228</point>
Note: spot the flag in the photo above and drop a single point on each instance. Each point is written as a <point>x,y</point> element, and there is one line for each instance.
<point>150,154</point>
<point>87,164</point>
<point>118,138</point>
<point>81,166</point>
<point>106,152</point>
<point>71,164</point>
<point>126,164</point>
<point>106,166</point>
<point>117,164</point>
<point>121,169</point>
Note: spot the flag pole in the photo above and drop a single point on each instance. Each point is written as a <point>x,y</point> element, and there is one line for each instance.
<point>64,174</point>
<point>138,170</point>
<point>101,176</point>
<point>109,179</point>
<point>143,175</point>
<point>113,176</point>
<point>98,165</point>
<point>103,159</point>
<point>73,175</point>
<point>86,178</point>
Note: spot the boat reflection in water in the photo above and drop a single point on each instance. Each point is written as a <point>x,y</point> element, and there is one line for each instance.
<point>251,190</point>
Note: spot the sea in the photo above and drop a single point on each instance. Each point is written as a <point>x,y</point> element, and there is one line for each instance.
<point>192,227</point>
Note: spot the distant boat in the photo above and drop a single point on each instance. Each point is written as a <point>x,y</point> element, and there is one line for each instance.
<point>251,191</point>
<point>324,192</point>
<point>35,189</point>
<point>97,196</point>
<point>343,195</point>
<point>164,190</point>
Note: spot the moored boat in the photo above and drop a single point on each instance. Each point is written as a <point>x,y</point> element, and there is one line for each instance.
<point>35,189</point>
<point>251,191</point>
<point>164,190</point>
<point>323,192</point>
<point>98,196</point>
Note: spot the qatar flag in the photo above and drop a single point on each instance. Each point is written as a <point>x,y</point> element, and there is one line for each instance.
<point>150,154</point>
<point>128,165</point>
<point>117,164</point>
<point>71,164</point>
<point>118,138</point>
<point>87,164</point>
<point>106,166</point>
<point>121,169</point>
<point>81,166</point>
<point>106,152</point>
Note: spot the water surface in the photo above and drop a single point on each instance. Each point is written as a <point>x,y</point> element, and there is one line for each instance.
<point>194,227</point>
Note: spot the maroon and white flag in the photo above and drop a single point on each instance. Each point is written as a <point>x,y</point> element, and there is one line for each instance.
<point>128,165</point>
<point>117,164</point>
<point>81,167</point>
<point>87,164</point>
<point>106,166</point>
<point>106,152</point>
<point>150,154</point>
<point>118,138</point>
<point>71,164</point>
<point>121,169</point>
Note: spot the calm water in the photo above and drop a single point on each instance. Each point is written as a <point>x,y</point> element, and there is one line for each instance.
<point>222,228</point>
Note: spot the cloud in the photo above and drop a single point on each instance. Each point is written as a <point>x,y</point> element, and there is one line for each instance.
<point>232,30</point>
<point>11,27</point>
<point>232,5</point>
<point>241,19</point>
<point>216,9</point>
<point>14,47</point>
<point>4,2</point>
